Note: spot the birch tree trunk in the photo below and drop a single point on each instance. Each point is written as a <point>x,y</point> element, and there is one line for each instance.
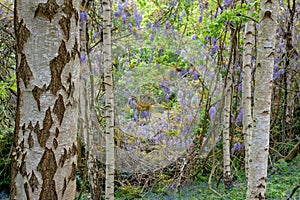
<point>86,110</point>
<point>226,129</point>
<point>47,64</point>
<point>258,158</point>
<point>109,101</point>
<point>227,110</point>
<point>246,90</point>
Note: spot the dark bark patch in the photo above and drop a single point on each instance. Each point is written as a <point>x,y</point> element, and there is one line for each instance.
<point>47,167</point>
<point>70,10</point>
<point>74,150</point>
<point>30,140</point>
<point>63,158</point>
<point>75,50</point>
<point>260,196</point>
<point>267,14</point>
<point>22,145</point>
<point>56,132</point>
<point>71,86</point>
<point>59,108</point>
<point>55,143</point>
<point>47,10</point>
<point>64,187</point>
<point>23,129</point>
<point>23,170</point>
<point>30,127</point>
<point>22,36</point>
<point>56,66</point>
<point>65,25</point>
<point>37,94</point>
<point>27,191</point>
<point>37,129</point>
<point>73,172</point>
<point>24,71</point>
<point>33,182</point>
<point>44,133</point>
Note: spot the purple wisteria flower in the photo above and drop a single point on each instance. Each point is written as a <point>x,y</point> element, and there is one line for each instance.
<point>83,16</point>
<point>212,113</point>
<point>278,74</point>
<point>182,54</point>
<point>124,17</point>
<point>239,117</point>
<point>138,19</point>
<point>200,19</point>
<point>237,147</point>
<point>227,3</point>
<point>193,37</point>
<point>214,40</point>
<point>82,58</point>
<point>130,26</point>
<point>181,16</point>
<point>144,114</point>
<point>151,56</point>
<point>160,51</point>
<point>195,75</point>
<point>148,25</point>
<point>152,37</point>
<point>172,4</point>
<point>240,87</point>
<point>132,103</point>
<point>214,50</point>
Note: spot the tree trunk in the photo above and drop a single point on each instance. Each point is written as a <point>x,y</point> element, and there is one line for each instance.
<point>258,158</point>
<point>47,56</point>
<point>246,90</point>
<point>227,110</point>
<point>109,101</point>
<point>226,129</point>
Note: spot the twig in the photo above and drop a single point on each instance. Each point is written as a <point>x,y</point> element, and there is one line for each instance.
<point>209,182</point>
<point>181,171</point>
<point>282,156</point>
<point>6,7</point>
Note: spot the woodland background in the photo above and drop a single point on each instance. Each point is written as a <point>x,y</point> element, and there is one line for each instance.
<point>171,61</point>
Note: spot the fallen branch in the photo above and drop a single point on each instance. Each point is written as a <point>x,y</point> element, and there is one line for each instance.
<point>293,191</point>
<point>293,153</point>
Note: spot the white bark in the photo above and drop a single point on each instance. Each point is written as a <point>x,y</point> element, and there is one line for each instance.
<point>258,158</point>
<point>45,148</point>
<point>226,128</point>
<point>246,90</point>
<point>109,101</point>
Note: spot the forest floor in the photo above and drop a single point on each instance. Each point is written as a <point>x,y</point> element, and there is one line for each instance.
<point>281,180</point>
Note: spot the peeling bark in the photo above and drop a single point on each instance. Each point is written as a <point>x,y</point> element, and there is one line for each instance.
<point>246,90</point>
<point>47,62</point>
<point>109,101</point>
<point>259,151</point>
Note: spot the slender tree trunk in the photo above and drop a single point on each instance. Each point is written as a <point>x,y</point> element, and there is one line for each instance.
<point>227,111</point>
<point>109,101</point>
<point>47,57</point>
<point>226,129</point>
<point>258,158</point>
<point>246,90</point>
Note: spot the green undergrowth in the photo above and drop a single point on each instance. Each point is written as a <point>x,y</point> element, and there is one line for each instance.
<point>281,180</point>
